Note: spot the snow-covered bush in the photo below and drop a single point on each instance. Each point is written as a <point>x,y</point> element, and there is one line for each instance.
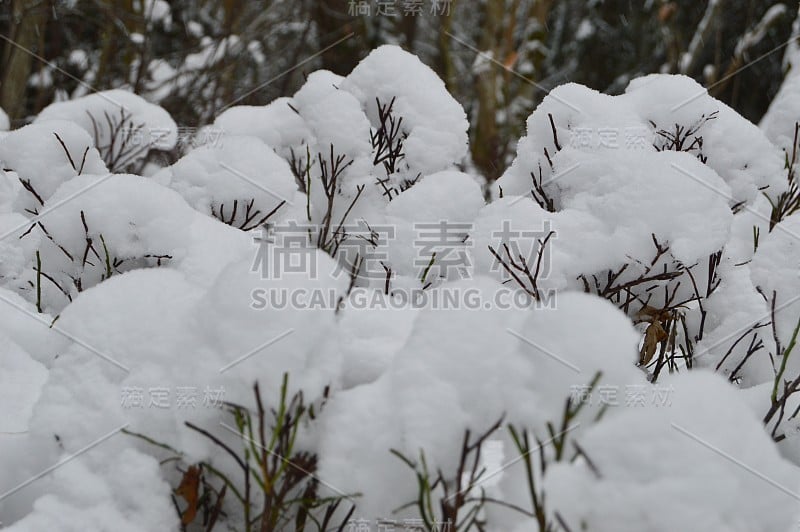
<point>319,322</point>
<point>681,464</point>
<point>359,142</point>
<point>124,127</point>
<point>40,157</point>
<point>242,183</point>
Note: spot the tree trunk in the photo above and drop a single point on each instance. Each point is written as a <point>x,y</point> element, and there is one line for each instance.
<point>486,142</point>
<point>29,18</point>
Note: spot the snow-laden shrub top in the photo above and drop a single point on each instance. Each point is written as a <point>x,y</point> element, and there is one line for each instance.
<point>431,116</point>
<point>240,181</point>
<point>123,125</point>
<point>658,112</point>
<point>43,156</point>
<point>617,322</point>
<point>779,121</point>
<point>275,123</point>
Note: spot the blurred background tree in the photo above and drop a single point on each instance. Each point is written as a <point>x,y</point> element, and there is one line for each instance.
<point>498,57</point>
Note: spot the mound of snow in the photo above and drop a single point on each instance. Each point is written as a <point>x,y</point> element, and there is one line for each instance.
<point>36,155</point>
<point>450,198</point>
<point>664,111</point>
<point>21,381</point>
<point>647,462</point>
<point>277,124</point>
<point>121,222</point>
<point>241,182</point>
<point>669,100</point>
<point>784,112</point>
<point>123,125</point>
<point>431,116</point>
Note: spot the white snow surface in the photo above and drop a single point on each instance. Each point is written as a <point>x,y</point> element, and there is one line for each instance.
<point>115,283</point>
<point>700,458</point>
<point>146,124</point>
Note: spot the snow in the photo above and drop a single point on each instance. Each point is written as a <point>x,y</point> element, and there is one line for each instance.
<point>194,28</point>
<point>211,52</point>
<point>160,73</point>
<point>35,154</point>
<point>755,35</point>
<point>79,58</point>
<point>577,111</point>
<point>423,400</point>
<point>242,169</point>
<point>701,460</point>
<point>276,124</point>
<point>585,30</point>
<point>784,111</point>
<point>565,358</point>
<point>21,380</point>
<point>432,117</point>
<point>630,122</point>
<point>694,221</point>
<point>775,270</point>
<point>217,325</point>
<point>733,309</point>
<point>4,121</point>
<point>667,100</point>
<point>158,10</point>
<point>100,503</point>
<point>131,220</point>
<point>431,201</point>
<point>116,282</point>
<point>145,124</point>
<point>334,115</point>
<point>609,213</point>
<point>24,327</point>
<point>368,341</point>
